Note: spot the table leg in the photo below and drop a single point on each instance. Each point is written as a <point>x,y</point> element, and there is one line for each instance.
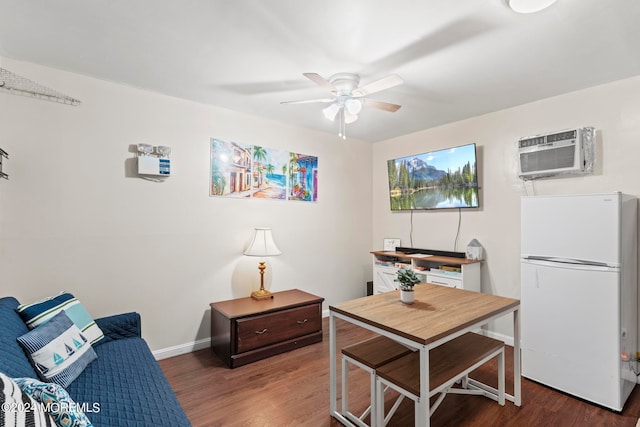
<point>517,397</point>
<point>423,409</point>
<point>332,364</point>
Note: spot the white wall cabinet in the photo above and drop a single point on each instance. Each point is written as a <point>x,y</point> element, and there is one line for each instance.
<point>453,272</point>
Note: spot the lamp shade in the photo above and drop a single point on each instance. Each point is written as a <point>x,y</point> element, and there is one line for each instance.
<point>262,244</point>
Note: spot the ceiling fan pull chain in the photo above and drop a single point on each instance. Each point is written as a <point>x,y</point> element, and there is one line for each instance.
<point>343,124</point>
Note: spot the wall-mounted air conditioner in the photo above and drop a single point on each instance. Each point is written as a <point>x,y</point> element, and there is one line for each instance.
<point>566,152</point>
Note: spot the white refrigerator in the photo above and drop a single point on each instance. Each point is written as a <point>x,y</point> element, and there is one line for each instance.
<point>579,294</point>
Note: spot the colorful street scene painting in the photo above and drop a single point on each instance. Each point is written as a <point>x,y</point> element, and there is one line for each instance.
<point>230,169</point>
<point>254,171</point>
<point>303,177</point>
<point>269,173</point>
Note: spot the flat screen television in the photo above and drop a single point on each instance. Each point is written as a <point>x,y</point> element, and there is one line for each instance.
<point>443,179</point>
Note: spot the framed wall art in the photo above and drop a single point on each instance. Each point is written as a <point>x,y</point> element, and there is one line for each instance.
<point>254,171</point>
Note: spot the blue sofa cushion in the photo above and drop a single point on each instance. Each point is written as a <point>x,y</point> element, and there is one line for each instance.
<point>129,387</point>
<point>13,361</point>
<point>58,350</point>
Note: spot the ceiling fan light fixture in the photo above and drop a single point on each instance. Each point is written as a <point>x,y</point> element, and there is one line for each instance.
<point>331,111</point>
<point>349,118</point>
<point>529,6</point>
<point>353,106</point>
<point>349,98</point>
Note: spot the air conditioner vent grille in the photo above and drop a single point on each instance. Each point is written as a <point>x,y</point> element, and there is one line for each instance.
<point>559,153</point>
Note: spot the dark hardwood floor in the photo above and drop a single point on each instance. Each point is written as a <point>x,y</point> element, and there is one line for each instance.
<point>292,389</point>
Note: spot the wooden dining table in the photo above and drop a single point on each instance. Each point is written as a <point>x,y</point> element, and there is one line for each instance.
<point>439,314</point>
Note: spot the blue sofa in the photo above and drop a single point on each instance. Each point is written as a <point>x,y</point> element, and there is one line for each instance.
<point>125,381</point>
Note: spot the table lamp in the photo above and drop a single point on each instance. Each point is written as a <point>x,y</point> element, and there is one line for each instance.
<point>262,246</point>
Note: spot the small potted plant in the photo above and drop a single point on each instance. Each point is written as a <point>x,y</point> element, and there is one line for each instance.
<point>408,280</point>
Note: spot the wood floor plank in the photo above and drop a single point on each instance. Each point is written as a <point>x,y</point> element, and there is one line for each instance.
<point>292,389</point>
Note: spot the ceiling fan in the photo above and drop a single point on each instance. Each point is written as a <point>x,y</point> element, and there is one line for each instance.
<point>347,98</point>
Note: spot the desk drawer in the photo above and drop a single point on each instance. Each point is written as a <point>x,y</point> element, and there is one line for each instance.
<point>451,282</point>
<point>259,331</point>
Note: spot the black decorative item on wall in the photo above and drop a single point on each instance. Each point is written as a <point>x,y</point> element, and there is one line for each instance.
<point>3,155</point>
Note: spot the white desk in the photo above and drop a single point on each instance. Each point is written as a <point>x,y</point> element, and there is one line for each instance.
<point>438,315</point>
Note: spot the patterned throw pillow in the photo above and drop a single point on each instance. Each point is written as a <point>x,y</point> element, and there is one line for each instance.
<point>18,409</point>
<point>58,351</point>
<point>41,312</point>
<point>58,403</point>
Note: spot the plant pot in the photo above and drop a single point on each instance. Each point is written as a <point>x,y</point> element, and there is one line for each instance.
<point>407,297</point>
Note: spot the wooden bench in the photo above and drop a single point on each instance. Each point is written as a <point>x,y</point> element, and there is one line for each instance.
<point>448,363</point>
<point>368,355</point>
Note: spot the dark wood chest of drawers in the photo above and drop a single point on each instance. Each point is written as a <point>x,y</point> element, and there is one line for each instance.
<point>245,330</point>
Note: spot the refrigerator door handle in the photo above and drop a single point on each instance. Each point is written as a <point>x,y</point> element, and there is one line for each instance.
<point>570,263</point>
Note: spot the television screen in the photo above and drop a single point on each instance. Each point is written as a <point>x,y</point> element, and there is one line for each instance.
<point>442,179</point>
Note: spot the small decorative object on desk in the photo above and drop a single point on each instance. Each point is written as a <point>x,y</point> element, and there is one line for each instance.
<point>474,250</point>
<point>390,244</point>
<point>408,280</point>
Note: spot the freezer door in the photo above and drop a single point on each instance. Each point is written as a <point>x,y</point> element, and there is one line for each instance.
<point>571,331</point>
<point>584,227</point>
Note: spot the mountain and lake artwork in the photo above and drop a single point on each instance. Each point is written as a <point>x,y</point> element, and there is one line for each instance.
<point>442,179</point>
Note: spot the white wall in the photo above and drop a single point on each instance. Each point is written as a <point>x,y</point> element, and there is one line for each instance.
<point>72,216</point>
<point>614,109</point>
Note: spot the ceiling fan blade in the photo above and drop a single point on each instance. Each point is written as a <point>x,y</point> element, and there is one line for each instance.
<point>309,101</point>
<point>381,105</point>
<point>320,81</point>
<point>378,85</point>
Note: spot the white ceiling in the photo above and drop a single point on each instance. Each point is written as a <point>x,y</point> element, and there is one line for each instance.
<point>459,59</point>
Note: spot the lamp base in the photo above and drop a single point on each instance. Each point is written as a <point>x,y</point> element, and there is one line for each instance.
<point>261,294</point>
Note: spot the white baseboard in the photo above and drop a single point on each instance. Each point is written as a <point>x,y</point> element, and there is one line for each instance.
<point>508,340</point>
<point>177,350</point>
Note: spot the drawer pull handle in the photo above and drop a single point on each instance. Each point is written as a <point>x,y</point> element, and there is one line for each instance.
<point>302,322</point>
<point>435,282</point>
<point>262,331</point>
